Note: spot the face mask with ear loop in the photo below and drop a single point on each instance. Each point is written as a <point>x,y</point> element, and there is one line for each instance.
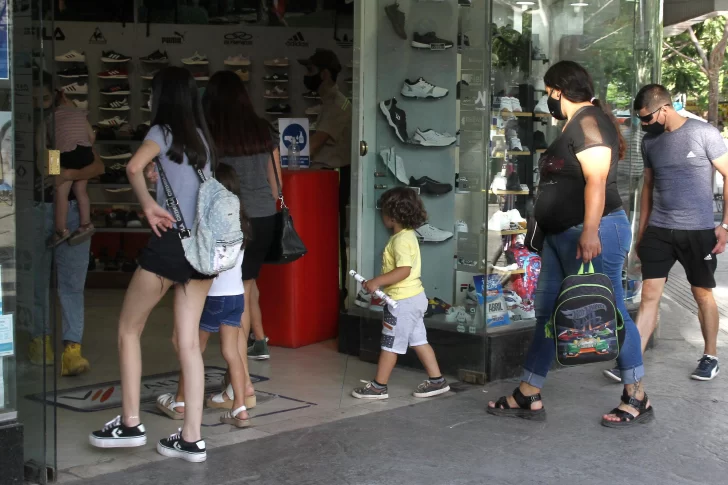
<point>554,106</point>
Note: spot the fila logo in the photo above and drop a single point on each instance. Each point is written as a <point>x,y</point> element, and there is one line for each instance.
<point>708,257</point>
<point>297,40</point>
<point>691,155</point>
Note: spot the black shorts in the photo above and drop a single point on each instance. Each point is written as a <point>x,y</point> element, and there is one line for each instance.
<point>165,257</point>
<point>80,157</point>
<point>660,248</point>
<point>257,248</point>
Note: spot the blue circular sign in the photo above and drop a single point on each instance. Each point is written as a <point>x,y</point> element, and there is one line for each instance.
<point>295,132</point>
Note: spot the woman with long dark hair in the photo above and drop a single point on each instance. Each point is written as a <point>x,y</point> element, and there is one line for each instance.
<point>249,144</point>
<point>580,212</point>
<point>179,140</point>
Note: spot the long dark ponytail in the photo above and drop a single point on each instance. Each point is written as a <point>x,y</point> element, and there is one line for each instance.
<point>577,86</point>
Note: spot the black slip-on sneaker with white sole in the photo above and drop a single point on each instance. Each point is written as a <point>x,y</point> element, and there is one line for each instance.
<point>176,447</point>
<point>396,118</point>
<point>707,368</point>
<point>430,41</point>
<point>115,435</point>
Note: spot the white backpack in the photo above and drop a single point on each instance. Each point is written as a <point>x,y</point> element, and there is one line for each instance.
<point>213,244</point>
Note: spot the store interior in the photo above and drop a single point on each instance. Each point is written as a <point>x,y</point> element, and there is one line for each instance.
<point>476,126</point>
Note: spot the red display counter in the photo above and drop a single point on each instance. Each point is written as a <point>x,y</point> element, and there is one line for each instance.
<point>300,300</point>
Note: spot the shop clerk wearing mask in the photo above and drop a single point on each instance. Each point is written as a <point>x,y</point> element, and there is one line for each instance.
<point>330,144</point>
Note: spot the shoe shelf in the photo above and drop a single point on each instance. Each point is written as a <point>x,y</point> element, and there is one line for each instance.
<point>541,115</point>
<point>540,150</point>
<point>499,155</point>
<point>521,114</point>
<point>507,272</point>
<point>512,232</point>
<point>508,192</point>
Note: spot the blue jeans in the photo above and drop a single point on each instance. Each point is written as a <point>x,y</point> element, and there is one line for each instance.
<point>558,260</point>
<point>71,264</point>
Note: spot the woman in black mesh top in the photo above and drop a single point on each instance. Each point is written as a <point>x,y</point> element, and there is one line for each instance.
<point>579,210</point>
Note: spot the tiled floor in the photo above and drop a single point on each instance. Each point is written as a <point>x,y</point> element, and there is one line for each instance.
<point>305,387</point>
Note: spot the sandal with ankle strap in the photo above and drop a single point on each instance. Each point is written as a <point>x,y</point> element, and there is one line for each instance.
<point>524,411</point>
<point>626,418</point>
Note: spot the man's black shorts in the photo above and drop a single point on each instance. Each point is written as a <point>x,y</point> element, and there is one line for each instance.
<point>660,248</point>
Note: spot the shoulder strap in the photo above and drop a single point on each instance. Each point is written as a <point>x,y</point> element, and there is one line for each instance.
<point>172,202</point>
<point>278,181</point>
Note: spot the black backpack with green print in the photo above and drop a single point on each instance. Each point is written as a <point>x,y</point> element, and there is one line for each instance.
<point>586,324</point>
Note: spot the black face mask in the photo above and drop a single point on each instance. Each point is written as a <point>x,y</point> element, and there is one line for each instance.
<point>555,108</point>
<point>313,82</point>
<point>654,128</point>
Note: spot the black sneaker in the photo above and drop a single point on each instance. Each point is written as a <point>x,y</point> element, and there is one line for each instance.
<point>431,388</point>
<point>176,447</point>
<point>539,140</point>
<point>74,72</point>
<point>276,78</point>
<point>396,16</point>
<point>279,109</point>
<point>115,435</point>
<point>116,90</point>
<point>513,183</point>
<point>156,57</point>
<point>707,368</point>
<point>113,56</point>
<point>119,105</point>
<point>613,374</point>
<point>430,41</point>
<point>430,186</point>
<point>370,392</point>
<point>396,118</point>
<point>463,40</point>
<point>117,153</point>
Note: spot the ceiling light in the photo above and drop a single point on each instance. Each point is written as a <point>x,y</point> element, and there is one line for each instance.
<point>579,4</point>
<point>524,2</point>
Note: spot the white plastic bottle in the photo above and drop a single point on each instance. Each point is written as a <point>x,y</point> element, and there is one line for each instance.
<point>294,156</point>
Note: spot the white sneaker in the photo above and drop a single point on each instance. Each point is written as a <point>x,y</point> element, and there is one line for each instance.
<point>429,233</point>
<point>395,164</point>
<point>499,182</point>
<point>502,103</point>
<point>461,226</point>
<point>515,105</point>
<point>422,89</point>
<point>276,93</point>
<point>72,56</point>
<point>75,88</point>
<point>431,138</point>
<point>80,104</point>
<point>196,60</point>
<point>237,61</point>
<point>112,122</point>
<point>514,143</point>
<point>542,106</point>
<point>512,298</point>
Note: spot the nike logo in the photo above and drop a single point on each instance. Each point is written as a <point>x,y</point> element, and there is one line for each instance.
<point>691,155</point>
<point>708,257</point>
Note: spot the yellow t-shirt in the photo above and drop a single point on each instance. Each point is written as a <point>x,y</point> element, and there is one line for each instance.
<point>403,250</point>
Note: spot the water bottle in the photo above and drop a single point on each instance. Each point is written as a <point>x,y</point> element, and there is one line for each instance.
<point>294,156</point>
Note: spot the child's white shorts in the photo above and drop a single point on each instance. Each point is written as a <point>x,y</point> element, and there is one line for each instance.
<point>404,326</point>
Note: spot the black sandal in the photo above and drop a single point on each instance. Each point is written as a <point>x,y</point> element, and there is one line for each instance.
<point>502,408</point>
<point>626,418</point>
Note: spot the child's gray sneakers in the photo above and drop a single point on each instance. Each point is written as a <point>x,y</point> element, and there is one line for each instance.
<point>370,391</point>
<point>431,388</point>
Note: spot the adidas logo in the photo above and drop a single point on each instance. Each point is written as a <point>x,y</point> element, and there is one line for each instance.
<point>297,40</point>
<point>708,257</point>
<point>691,155</point>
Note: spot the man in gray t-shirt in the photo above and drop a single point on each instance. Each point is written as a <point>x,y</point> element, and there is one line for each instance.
<point>676,213</point>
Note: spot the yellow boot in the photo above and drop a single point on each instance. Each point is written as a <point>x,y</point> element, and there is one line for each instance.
<point>35,351</point>
<point>72,362</point>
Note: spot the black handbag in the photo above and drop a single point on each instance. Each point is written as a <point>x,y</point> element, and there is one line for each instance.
<point>287,245</point>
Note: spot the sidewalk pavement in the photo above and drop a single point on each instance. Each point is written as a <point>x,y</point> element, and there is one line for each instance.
<point>453,441</point>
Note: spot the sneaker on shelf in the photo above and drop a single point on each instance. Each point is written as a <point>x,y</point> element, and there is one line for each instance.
<point>40,351</point>
<point>114,74</point>
<point>542,106</point>
<point>396,118</point>
<point>499,183</point>
<point>113,56</point>
<point>421,89</point>
<point>133,221</point>
<point>515,105</point>
<point>431,388</point>
<point>112,122</point>
<point>311,95</point>
<point>149,75</point>
<point>511,297</point>
<point>539,140</point>
<point>514,143</point>
<point>74,72</point>
<point>312,126</point>
<point>201,76</point>
<point>277,62</point>
<point>313,110</point>
<point>118,105</point>
<point>80,104</point>
<point>176,447</point>
<point>502,103</point>
<point>370,391</point>
<point>430,41</point>
<point>73,362</point>
<point>430,186</point>
<point>461,226</point>
<point>117,153</point>
<point>259,350</point>
<point>72,56</point>
<point>75,88</point>
<point>432,138</point>
<point>463,40</point>
<point>276,93</point>
<point>707,368</point>
<point>397,18</point>
<point>276,77</point>
<point>115,435</point>
<point>116,90</point>
<point>279,109</point>
<point>429,233</point>
<point>394,163</point>
<point>196,60</point>
<point>238,60</point>
<point>156,57</point>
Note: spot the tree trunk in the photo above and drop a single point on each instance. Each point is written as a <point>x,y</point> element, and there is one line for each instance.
<point>713,95</point>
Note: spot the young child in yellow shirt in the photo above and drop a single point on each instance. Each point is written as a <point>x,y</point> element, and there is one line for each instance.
<point>404,326</point>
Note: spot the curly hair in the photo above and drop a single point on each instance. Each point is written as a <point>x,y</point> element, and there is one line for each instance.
<point>404,206</point>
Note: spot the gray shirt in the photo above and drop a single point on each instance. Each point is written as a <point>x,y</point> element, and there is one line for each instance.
<point>255,191</point>
<point>182,177</point>
<point>681,162</point>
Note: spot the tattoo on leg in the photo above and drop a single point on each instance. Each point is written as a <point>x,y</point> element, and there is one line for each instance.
<point>636,389</point>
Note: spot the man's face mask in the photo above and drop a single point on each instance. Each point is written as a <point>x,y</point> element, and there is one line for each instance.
<point>654,127</point>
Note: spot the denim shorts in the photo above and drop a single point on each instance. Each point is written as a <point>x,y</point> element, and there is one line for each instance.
<point>222,310</point>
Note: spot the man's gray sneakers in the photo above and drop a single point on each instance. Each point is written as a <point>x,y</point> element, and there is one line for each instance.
<point>707,368</point>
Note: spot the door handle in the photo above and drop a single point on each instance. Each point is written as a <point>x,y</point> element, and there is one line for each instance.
<point>363,148</point>
<point>53,159</point>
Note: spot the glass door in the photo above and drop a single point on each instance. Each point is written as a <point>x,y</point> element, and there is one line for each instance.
<point>422,131</point>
